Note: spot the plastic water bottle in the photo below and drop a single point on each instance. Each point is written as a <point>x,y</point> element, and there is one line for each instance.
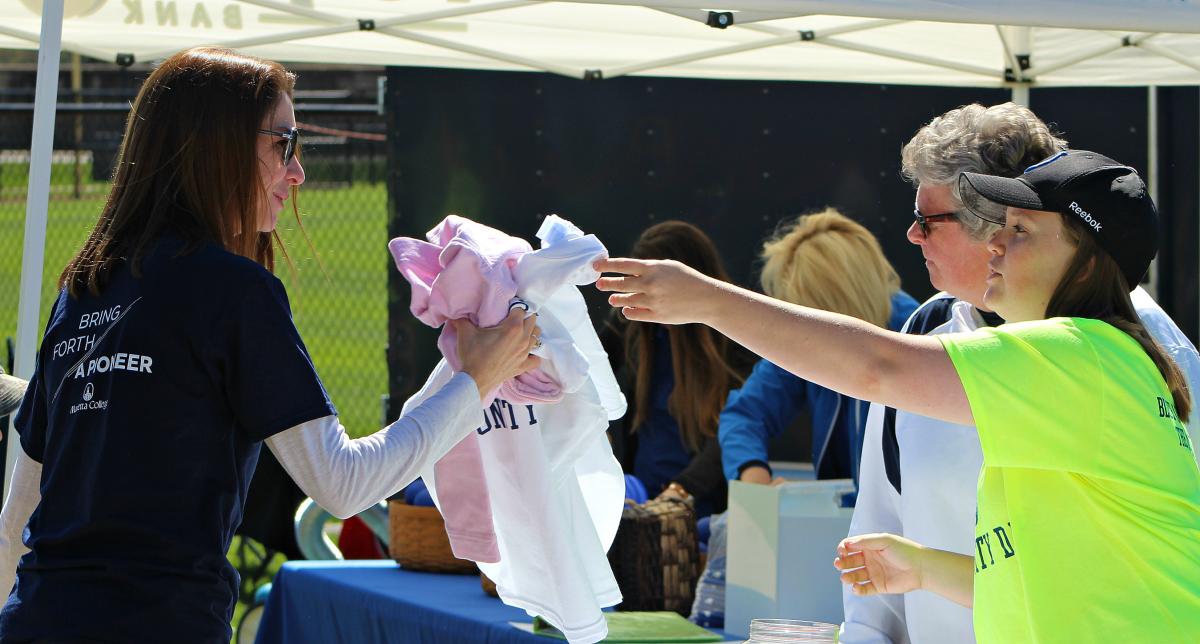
<point>791,631</point>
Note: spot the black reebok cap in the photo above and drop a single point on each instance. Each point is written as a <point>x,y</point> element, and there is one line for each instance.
<point>1108,197</point>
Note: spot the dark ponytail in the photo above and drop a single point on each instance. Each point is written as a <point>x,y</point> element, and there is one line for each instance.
<point>1094,287</point>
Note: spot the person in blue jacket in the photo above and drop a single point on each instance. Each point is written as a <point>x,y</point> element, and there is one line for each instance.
<point>826,261</point>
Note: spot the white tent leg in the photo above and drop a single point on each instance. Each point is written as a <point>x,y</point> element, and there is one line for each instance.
<point>37,202</point>
<point>1018,49</point>
<point>1152,171</point>
<point>1020,94</point>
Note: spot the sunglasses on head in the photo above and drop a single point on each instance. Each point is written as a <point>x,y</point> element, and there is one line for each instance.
<point>924,220</point>
<point>293,142</point>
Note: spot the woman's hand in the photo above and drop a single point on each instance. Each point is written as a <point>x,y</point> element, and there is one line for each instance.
<point>673,491</point>
<point>886,563</point>
<point>492,355</point>
<point>879,563</point>
<point>663,291</point>
<point>760,475</point>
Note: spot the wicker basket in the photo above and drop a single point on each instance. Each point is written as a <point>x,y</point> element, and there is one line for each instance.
<point>418,540</point>
<point>656,557</point>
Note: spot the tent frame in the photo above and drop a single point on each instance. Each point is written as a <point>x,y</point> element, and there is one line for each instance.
<point>1140,21</point>
<point>1015,39</point>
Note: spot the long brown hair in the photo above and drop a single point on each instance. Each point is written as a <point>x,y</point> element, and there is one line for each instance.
<point>699,355</point>
<point>1093,286</point>
<point>188,164</point>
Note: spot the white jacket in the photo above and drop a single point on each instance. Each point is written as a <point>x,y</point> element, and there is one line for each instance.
<point>939,466</point>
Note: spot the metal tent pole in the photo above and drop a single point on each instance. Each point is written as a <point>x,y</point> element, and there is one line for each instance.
<point>1152,172</point>
<point>37,202</point>
<point>1019,47</point>
<point>1020,94</point>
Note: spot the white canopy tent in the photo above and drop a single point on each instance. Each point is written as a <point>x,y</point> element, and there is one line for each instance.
<point>1016,44</point>
<point>951,42</point>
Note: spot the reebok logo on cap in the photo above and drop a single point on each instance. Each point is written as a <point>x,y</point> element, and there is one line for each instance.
<point>1120,213</point>
<point>1085,216</point>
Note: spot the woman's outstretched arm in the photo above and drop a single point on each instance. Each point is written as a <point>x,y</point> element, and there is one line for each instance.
<point>842,353</point>
<point>346,476</point>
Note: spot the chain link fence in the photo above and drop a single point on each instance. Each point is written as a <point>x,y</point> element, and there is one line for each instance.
<point>338,293</point>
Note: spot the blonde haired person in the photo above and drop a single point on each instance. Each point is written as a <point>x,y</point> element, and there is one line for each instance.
<point>828,244</point>
<point>826,261</point>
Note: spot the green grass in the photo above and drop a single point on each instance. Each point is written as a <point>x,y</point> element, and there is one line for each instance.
<point>341,312</point>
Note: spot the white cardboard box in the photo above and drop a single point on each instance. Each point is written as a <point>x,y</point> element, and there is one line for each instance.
<point>782,541</point>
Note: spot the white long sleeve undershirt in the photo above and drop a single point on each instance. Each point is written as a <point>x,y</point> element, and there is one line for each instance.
<point>346,476</point>
<point>24,494</point>
<point>343,475</point>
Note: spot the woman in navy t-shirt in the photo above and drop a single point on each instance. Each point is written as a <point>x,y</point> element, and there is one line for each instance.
<point>171,356</point>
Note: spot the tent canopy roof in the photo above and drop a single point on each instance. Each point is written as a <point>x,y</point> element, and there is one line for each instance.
<point>948,42</point>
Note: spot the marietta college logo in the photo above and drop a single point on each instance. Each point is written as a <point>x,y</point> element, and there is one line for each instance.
<point>89,392</point>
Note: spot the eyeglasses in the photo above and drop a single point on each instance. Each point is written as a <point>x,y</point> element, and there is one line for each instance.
<point>924,220</point>
<point>293,142</point>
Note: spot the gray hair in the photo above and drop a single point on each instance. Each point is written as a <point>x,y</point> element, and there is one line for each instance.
<point>1000,140</point>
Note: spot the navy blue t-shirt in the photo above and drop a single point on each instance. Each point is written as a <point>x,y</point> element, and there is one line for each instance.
<point>661,454</point>
<point>147,410</point>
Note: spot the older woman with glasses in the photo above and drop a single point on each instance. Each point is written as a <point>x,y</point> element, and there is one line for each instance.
<point>171,357</point>
<point>923,221</point>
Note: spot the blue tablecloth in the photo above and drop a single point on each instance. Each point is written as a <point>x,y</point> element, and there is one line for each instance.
<point>324,602</point>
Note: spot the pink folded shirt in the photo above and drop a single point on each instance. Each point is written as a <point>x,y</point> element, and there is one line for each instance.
<point>466,270</point>
<point>469,270</point>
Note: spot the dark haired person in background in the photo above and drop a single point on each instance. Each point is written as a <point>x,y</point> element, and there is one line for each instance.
<point>676,379</point>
